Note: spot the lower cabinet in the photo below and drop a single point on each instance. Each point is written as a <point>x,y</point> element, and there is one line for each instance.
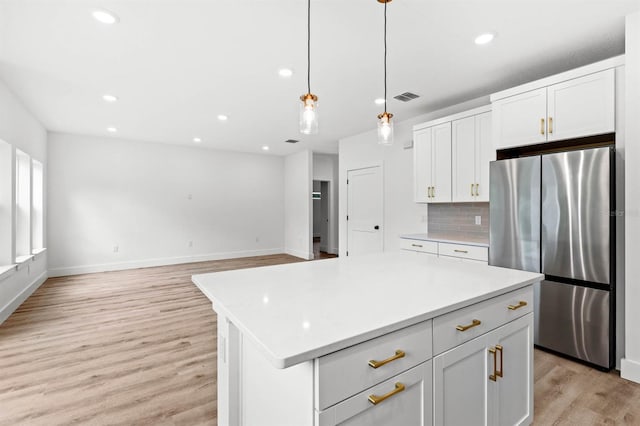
<point>405,399</point>
<point>487,380</point>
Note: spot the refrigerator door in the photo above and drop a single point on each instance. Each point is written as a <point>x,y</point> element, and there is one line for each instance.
<point>514,213</point>
<point>575,215</point>
<point>573,320</point>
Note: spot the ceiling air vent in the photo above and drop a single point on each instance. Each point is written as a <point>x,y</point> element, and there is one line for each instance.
<point>406,96</point>
<point>291,141</point>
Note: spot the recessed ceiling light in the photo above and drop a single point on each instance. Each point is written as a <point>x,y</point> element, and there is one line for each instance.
<point>223,117</point>
<point>197,140</point>
<point>105,16</point>
<point>285,72</point>
<point>379,101</point>
<point>485,38</point>
<point>111,129</point>
<point>109,98</point>
<point>265,148</point>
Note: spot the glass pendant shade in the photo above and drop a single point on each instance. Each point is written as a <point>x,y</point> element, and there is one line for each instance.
<point>385,129</point>
<point>309,114</point>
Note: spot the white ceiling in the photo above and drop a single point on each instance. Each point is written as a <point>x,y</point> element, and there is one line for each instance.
<point>177,64</point>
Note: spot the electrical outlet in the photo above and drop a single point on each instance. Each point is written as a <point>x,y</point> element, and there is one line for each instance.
<point>115,249</point>
<point>478,220</point>
<point>189,196</point>
<point>190,243</point>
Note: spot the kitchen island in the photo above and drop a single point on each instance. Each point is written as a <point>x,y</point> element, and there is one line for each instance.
<point>380,339</point>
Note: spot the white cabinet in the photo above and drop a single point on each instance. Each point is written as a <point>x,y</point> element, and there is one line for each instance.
<point>432,164</point>
<point>487,380</point>
<point>577,107</point>
<point>460,251</point>
<point>472,151</point>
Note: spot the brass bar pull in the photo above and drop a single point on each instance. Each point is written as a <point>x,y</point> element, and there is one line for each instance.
<point>477,189</point>
<point>375,399</point>
<point>429,191</point>
<point>518,306</point>
<point>474,323</point>
<point>416,245</point>
<point>550,124</point>
<point>433,191</point>
<point>494,376</point>
<point>498,372</point>
<point>472,190</point>
<point>461,251</point>
<point>542,126</point>
<point>375,364</point>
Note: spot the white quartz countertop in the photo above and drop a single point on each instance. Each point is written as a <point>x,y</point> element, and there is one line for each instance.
<point>450,237</point>
<point>300,311</point>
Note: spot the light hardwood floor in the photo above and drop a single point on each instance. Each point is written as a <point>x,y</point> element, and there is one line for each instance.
<point>138,348</point>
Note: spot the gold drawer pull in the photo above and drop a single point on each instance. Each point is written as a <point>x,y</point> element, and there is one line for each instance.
<point>477,189</point>
<point>472,190</point>
<point>494,376</point>
<point>375,399</point>
<point>375,364</point>
<point>461,251</point>
<point>474,323</point>
<point>550,124</point>
<point>499,372</point>
<point>416,245</point>
<point>542,126</point>
<point>518,306</point>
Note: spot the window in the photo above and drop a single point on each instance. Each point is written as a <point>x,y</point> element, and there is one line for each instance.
<point>23,206</point>
<point>37,207</point>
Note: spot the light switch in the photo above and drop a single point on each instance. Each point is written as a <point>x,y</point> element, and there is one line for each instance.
<point>478,220</point>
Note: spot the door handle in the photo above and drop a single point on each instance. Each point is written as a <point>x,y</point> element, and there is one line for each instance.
<point>376,227</point>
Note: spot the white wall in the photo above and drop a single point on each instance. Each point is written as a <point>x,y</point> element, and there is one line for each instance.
<point>401,214</point>
<point>631,363</point>
<point>325,167</point>
<point>20,128</point>
<point>298,183</point>
<point>159,204</point>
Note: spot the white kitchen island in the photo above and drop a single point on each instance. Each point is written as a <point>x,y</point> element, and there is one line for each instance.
<point>384,339</point>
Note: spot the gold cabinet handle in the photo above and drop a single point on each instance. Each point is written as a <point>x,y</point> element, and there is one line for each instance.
<point>375,364</point>
<point>494,376</point>
<point>477,189</point>
<point>461,251</point>
<point>542,126</point>
<point>472,190</point>
<point>550,124</point>
<point>498,372</point>
<point>375,399</point>
<point>416,245</point>
<point>474,323</point>
<point>518,306</point>
<point>433,191</point>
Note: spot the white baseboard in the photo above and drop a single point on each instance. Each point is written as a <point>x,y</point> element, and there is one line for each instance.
<point>333,250</point>
<point>134,264</point>
<point>300,254</point>
<point>630,370</point>
<point>10,307</point>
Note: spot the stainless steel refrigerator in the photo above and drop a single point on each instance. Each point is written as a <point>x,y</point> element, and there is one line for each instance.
<point>552,214</point>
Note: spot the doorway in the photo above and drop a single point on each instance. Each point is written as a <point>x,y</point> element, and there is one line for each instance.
<point>321,196</point>
<point>364,211</point>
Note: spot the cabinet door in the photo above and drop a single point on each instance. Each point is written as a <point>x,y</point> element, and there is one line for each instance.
<point>581,107</point>
<point>460,385</point>
<point>441,163</point>
<point>464,159</point>
<point>514,397</point>
<point>411,406</point>
<point>422,158</point>
<point>485,153</point>
<point>520,119</point>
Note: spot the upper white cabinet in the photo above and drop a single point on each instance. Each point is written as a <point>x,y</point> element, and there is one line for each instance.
<point>574,106</point>
<point>432,164</point>
<point>472,151</point>
<point>451,158</point>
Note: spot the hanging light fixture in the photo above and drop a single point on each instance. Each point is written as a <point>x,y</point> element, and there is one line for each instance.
<point>309,106</point>
<point>385,125</point>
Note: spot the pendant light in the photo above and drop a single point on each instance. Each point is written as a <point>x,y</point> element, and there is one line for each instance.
<point>309,106</point>
<point>385,125</point>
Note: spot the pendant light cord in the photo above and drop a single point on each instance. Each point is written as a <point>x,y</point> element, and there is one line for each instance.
<point>309,46</point>
<point>385,56</point>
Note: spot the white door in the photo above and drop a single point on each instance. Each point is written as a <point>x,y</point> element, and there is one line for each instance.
<point>485,153</point>
<point>520,119</point>
<point>441,163</point>
<point>422,158</point>
<point>364,211</point>
<point>463,143</point>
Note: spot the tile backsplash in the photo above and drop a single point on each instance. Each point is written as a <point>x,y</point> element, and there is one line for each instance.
<point>459,217</point>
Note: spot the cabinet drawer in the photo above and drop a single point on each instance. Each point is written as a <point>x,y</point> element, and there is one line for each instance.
<point>344,373</point>
<point>464,251</point>
<point>419,245</point>
<point>491,314</point>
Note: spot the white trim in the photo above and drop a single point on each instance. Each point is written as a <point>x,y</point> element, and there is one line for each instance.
<point>300,254</point>
<point>134,264</point>
<point>10,307</point>
<point>7,270</point>
<point>463,114</point>
<point>614,62</point>
<point>630,370</point>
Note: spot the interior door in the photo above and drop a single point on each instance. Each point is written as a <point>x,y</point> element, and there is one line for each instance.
<point>364,211</point>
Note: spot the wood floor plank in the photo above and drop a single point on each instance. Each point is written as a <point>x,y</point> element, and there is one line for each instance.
<point>138,347</point>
